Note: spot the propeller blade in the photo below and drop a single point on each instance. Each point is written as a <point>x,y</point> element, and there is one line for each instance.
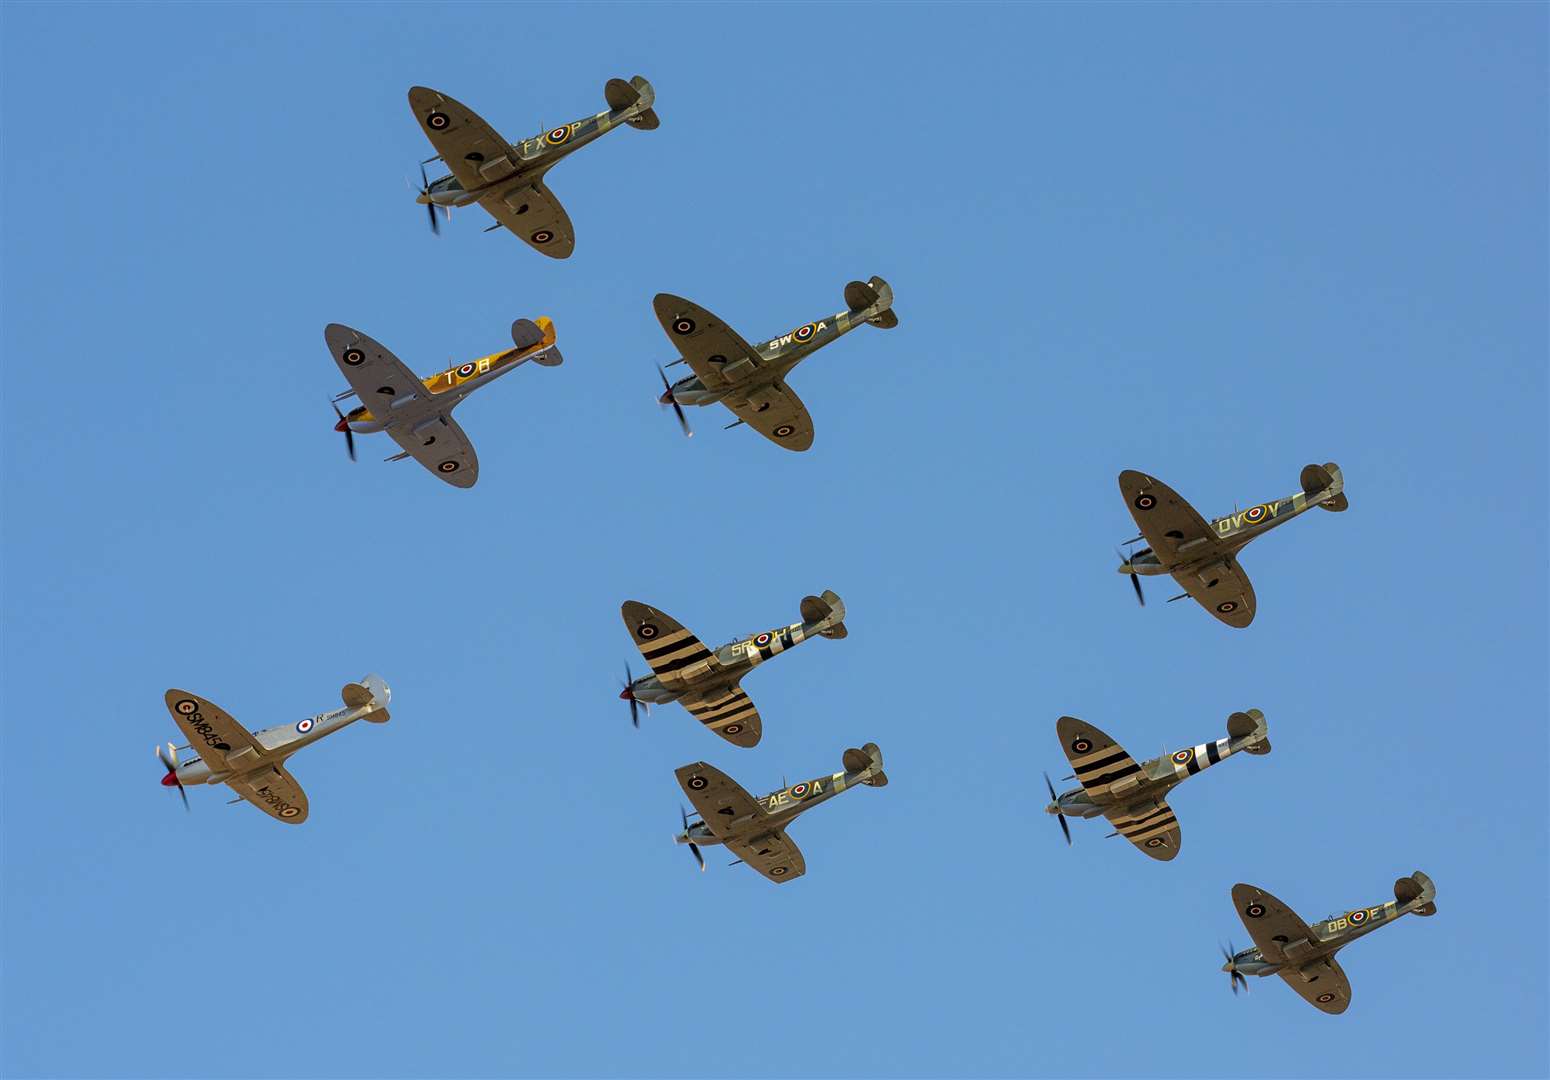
<point>1135,580</point>
<point>349,436</point>
<point>1140,597</point>
<point>430,208</point>
<point>694,850</point>
<point>1058,817</point>
<point>170,764</point>
<point>628,694</point>
<point>668,399</point>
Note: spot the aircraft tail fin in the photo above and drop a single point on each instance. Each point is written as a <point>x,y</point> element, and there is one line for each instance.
<point>637,94</point>
<point>1326,480</point>
<point>1417,887</point>
<point>1250,725</point>
<point>867,761</point>
<point>537,334</point>
<point>371,692</point>
<point>873,301</point>
<point>827,610</point>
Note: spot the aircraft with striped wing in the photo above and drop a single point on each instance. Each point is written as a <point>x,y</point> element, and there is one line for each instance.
<point>417,412</point>
<point>754,829</point>
<point>508,180</point>
<point>749,379</point>
<point>1202,556</point>
<point>1134,796</point>
<point>707,682</point>
<point>252,763</point>
<point>1303,955</point>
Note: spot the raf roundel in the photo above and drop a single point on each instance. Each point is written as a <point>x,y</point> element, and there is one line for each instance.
<point>448,466</point>
<point>783,431</point>
<point>1183,756</point>
<point>1144,501</point>
<point>733,729</point>
<point>1081,746</point>
<point>777,871</point>
<point>1325,998</point>
<point>762,639</point>
<point>440,121</point>
<point>304,726</point>
<point>557,136</point>
<point>1358,917</point>
<point>1254,513</point>
<point>542,236</point>
<point>1227,607</point>
<point>683,326</point>
<point>1254,910</point>
<point>698,783</point>
<point>466,370</point>
<point>647,630</point>
<point>354,357</point>
<point>799,791</point>
<point>290,811</point>
<point>804,333</point>
<point>187,707</point>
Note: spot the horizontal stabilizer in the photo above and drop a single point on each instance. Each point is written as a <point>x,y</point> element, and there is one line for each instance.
<point>1250,725</point>
<point>827,610</point>
<point>873,301</point>
<point>637,94</point>
<point>868,761</point>
<point>1417,887</point>
<point>1327,480</point>
<point>371,692</point>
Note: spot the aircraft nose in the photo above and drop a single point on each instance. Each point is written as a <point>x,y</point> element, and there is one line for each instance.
<point>169,780</point>
<point>342,425</point>
<point>666,397</point>
<point>1052,808</point>
<point>1227,966</point>
<point>626,694</point>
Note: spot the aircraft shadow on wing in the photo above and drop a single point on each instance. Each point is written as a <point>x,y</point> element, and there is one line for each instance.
<point>754,829</point>
<point>1303,955</point>
<point>508,180</point>
<point>252,763</point>
<point>750,380</point>
<point>417,412</point>
<point>705,682</point>
<point>1203,557</point>
<point>1134,796</point>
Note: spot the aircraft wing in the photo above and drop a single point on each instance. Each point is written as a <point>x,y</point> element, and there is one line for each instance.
<point>275,792</point>
<point>1223,589</point>
<point>672,651</point>
<point>444,450</point>
<point>720,800</point>
<point>1178,534</point>
<point>471,148</point>
<point>1329,992</point>
<point>774,855</point>
<point>223,743</point>
<point>712,349</point>
<point>378,378</point>
<point>1150,826</point>
<point>1269,922</point>
<point>774,411</point>
<point>728,712</point>
<point>1101,765</point>
<point>535,215</point>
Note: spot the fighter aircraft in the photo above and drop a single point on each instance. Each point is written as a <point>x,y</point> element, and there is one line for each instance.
<point>751,380</point>
<point>1304,955</point>
<point>253,763</point>
<point>1131,796</point>
<point>706,683</point>
<point>417,412</point>
<point>507,180</point>
<point>1203,558</point>
<point>755,829</point>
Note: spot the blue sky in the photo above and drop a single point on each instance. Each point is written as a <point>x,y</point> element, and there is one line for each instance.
<point>1213,243</point>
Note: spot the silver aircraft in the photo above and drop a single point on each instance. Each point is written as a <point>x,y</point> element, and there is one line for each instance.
<point>252,763</point>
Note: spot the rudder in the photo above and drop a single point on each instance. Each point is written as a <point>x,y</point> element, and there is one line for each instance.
<point>1250,725</point>
<point>873,301</point>
<point>638,94</point>
<point>869,761</point>
<point>1325,479</point>
<point>1417,887</point>
<point>828,608</point>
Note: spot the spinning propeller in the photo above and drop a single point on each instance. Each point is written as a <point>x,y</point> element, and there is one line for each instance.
<point>694,849</point>
<point>628,694</point>
<point>349,436</point>
<point>1231,967</point>
<point>169,761</point>
<point>668,399</point>
<point>1135,579</point>
<point>1055,800</point>
<point>425,193</point>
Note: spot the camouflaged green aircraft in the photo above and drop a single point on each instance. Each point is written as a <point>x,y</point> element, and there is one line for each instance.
<point>755,829</point>
<point>707,683</point>
<point>751,380</point>
<point>1132,796</point>
<point>1304,955</point>
<point>508,180</point>
<point>1203,557</point>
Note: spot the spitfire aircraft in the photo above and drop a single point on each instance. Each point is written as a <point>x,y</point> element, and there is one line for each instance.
<point>253,763</point>
<point>417,412</point>
<point>751,380</point>
<point>507,180</point>
<point>1304,955</point>
<point>1132,796</point>
<point>705,682</point>
<point>754,829</point>
<point>1203,557</point>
